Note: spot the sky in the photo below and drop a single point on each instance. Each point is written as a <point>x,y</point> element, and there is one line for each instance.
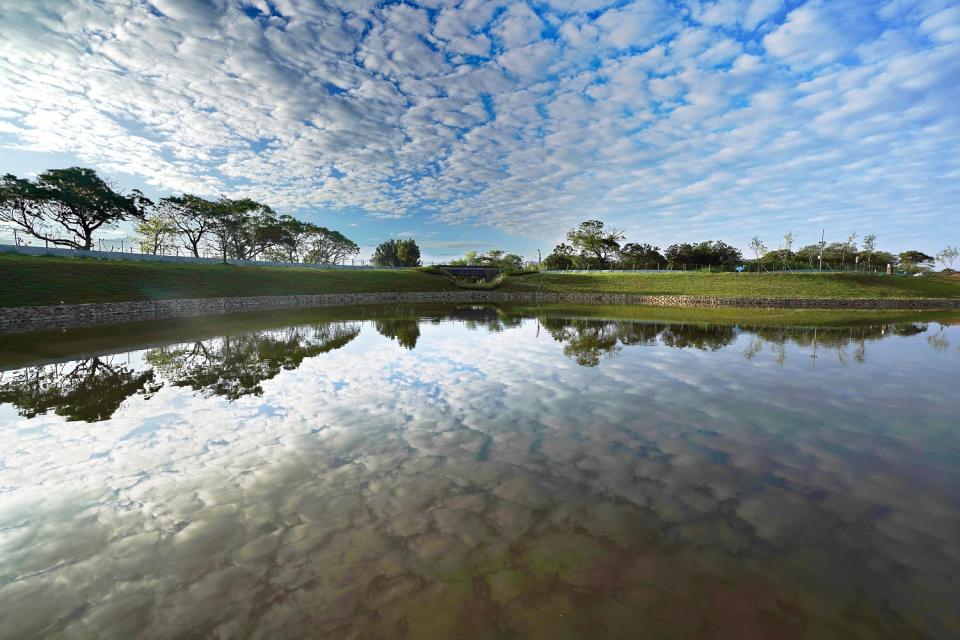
<point>473,125</point>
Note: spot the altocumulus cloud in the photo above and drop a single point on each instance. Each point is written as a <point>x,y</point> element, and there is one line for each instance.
<point>671,118</point>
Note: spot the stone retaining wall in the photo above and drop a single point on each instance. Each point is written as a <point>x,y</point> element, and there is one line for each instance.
<point>32,318</point>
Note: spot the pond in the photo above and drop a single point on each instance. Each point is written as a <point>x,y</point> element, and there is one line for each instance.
<point>483,472</point>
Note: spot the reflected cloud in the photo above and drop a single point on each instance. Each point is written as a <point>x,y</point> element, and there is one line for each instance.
<point>485,483</point>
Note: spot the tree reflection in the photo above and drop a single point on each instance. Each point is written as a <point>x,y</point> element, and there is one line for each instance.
<point>589,341</point>
<point>489,317</point>
<point>406,331</point>
<point>837,339</point>
<point>90,390</point>
<point>939,340</point>
<point>235,366</point>
<point>230,366</point>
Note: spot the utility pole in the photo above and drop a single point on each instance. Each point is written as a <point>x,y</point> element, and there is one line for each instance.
<point>823,234</point>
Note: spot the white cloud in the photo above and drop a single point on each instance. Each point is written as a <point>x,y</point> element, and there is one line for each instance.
<point>465,115</point>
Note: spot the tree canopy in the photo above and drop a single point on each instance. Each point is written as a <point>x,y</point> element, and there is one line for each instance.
<point>915,260</point>
<point>397,253</point>
<point>706,253</point>
<point>65,207</point>
<point>493,258</point>
<point>637,255</point>
<point>596,242</point>
<point>192,216</point>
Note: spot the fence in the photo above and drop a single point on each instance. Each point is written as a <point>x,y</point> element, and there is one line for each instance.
<point>705,268</point>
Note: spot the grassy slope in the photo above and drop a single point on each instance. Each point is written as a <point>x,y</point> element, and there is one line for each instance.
<point>800,285</point>
<point>29,281</point>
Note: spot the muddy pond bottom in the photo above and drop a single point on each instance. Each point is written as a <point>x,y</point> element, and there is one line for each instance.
<point>464,472</point>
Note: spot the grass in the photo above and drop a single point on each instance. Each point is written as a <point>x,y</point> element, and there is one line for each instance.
<point>731,285</point>
<point>38,281</point>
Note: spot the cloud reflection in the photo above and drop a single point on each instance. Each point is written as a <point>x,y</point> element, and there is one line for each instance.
<point>484,483</point>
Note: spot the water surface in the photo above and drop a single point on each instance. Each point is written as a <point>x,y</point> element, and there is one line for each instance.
<point>479,471</point>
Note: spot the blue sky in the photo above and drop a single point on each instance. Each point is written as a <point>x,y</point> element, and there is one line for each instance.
<point>477,124</point>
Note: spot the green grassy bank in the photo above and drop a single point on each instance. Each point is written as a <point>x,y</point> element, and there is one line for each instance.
<point>734,285</point>
<point>38,281</point>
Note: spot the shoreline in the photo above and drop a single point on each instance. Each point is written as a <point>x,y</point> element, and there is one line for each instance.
<point>25,319</point>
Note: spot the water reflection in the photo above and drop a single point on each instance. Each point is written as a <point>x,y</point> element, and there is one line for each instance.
<point>590,340</point>
<point>483,484</point>
<point>405,331</point>
<point>235,366</point>
<point>88,390</point>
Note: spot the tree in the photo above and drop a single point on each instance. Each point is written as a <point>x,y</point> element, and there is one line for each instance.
<point>704,253</point>
<point>385,255</point>
<point>408,253</point>
<point>786,249</point>
<point>759,249</point>
<point>847,248</point>
<point>397,253</point>
<point>326,246</point>
<point>595,242</point>
<point>258,230</point>
<point>884,258</point>
<point>243,229</point>
<point>947,257</point>
<point>155,232</point>
<point>915,260</point>
<point>192,216</point>
<point>633,254</point>
<point>469,259</point>
<point>869,248</point>
<point>562,257</point>
<point>65,207</point>
<point>293,242</point>
<point>493,258</point>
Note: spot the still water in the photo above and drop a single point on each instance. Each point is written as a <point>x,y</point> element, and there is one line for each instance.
<point>481,472</point>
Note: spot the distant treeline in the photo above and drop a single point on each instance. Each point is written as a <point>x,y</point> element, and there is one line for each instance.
<point>593,245</point>
<point>67,207</point>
